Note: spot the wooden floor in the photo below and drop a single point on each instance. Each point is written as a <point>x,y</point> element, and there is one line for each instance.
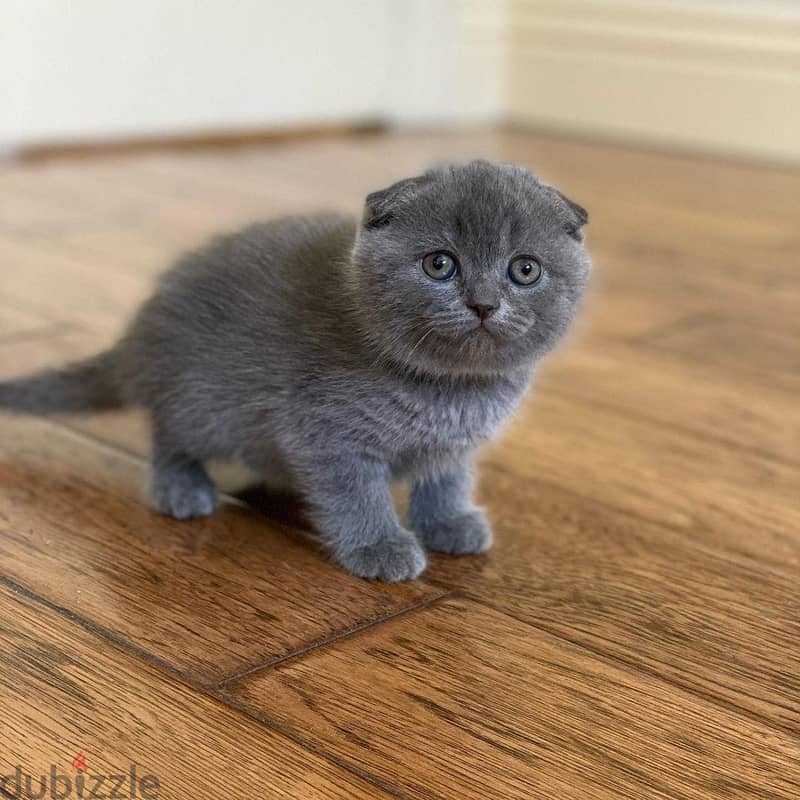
<point>635,633</point>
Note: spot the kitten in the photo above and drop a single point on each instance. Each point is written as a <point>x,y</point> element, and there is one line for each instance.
<point>334,356</point>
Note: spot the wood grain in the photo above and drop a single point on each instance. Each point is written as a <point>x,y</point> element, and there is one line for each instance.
<point>632,635</point>
<point>67,691</point>
<point>461,701</point>
<point>718,623</point>
<point>49,345</point>
<point>46,283</point>
<point>678,395</point>
<point>61,197</point>
<point>743,502</point>
<point>17,324</point>
<point>208,598</point>
<point>57,344</point>
<point>739,347</point>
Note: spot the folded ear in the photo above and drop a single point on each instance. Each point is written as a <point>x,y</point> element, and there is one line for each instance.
<point>575,215</point>
<point>381,204</point>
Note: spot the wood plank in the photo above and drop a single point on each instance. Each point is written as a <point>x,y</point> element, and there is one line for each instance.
<point>44,281</point>
<point>678,247</point>
<point>642,635</point>
<point>53,199</point>
<point>17,323</point>
<point>676,233</point>
<point>207,598</point>
<point>630,589</point>
<point>67,691</point>
<point>741,502</point>
<point>639,293</point>
<point>55,346</point>
<point>133,247</point>
<point>692,295</point>
<point>462,701</point>
<point>722,345</point>
<point>672,391</point>
<point>620,315</point>
<point>128,430</point>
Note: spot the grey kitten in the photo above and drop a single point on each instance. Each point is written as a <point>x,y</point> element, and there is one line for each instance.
<point>334,357</point>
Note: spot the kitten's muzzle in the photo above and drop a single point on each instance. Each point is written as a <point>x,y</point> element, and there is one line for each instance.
<point>482,310</point>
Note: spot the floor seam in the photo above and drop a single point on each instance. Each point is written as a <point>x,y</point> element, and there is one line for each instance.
<point>204,689</point>
<point>447,593</point>
<point>290,734</point>
<point>92,627</point>
<point>443,594</point>
<point>124,643</point>
<point>96,441</point>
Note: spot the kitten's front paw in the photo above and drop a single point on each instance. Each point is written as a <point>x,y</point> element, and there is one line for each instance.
<point>467,534</point>
<point>399,558</point>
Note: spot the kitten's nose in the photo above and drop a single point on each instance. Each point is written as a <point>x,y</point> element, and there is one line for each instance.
<point>481,310</point>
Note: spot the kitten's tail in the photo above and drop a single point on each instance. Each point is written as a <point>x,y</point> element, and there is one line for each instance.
<point>88,385</point>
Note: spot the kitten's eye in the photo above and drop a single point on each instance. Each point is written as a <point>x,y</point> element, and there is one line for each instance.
<point>439,266</point>
<point>525,270</point>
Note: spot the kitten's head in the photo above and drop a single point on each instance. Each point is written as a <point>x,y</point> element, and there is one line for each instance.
<point>469,269</point>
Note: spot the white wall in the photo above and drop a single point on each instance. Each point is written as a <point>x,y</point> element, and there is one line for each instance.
<point>93,69</point>
<point>99,68</point>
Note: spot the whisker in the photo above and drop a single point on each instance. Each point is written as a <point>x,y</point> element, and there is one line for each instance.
<point>421,340</point>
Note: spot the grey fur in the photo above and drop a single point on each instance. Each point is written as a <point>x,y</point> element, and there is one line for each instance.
<point>317,350</point>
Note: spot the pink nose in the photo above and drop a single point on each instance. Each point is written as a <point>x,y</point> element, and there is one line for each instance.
<point>482,311</point>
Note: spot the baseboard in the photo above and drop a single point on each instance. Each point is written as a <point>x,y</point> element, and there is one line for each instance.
<point>194,141</point>
<point>723,77</point>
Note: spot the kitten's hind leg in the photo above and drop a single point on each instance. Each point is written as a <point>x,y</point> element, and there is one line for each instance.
<point>180,486</point>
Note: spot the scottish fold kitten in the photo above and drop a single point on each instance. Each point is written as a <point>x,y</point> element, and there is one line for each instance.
<point>335,356</point>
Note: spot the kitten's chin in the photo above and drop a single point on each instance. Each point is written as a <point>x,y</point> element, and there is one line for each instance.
<point>476,352</point>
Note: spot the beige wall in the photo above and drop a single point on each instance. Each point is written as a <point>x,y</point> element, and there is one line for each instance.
<point>722,76</point>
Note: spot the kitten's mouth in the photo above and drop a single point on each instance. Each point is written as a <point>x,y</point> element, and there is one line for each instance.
<point>483,329</point>
<point>489,325</point>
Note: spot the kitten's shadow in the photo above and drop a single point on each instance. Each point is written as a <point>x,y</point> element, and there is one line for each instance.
<point>283,508</point>
<point>290,509</point>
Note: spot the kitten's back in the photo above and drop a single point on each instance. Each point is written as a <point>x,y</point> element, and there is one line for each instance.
<point>269,293</point>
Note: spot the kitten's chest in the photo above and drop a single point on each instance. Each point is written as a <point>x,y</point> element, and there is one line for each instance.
<point>444,418</point>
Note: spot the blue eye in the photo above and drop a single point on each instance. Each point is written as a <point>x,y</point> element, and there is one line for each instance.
<point>525,271</point>
<point>439,266</point>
